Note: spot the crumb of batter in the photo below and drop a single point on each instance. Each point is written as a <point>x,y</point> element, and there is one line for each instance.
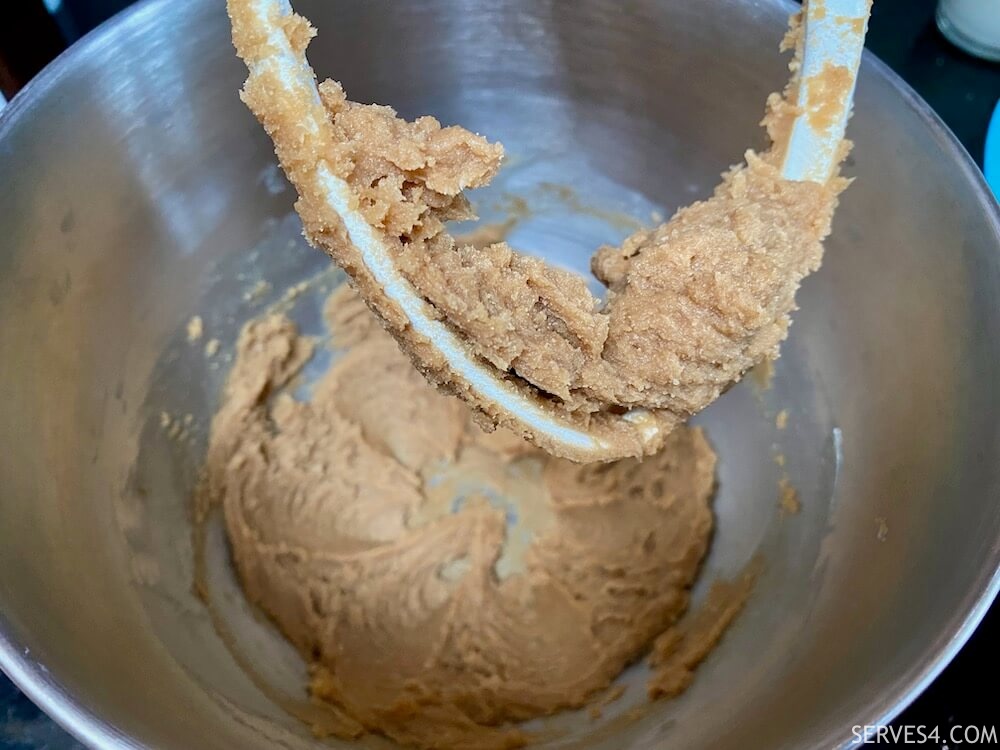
<point>195,328</point>
<point>691,305</point>
<point>445,583</point>
<point>781,419</point>
<point>612,694</point>
<point>293,292</point>
<point>257,291</point>
<point>763,375</point>
<point>176,428</point>
<point>788,497</point>
<point>882,529</point>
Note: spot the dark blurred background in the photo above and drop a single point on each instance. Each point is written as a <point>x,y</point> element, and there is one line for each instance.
<point>962,89</point>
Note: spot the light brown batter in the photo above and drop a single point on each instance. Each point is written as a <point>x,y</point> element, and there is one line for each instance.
<point>692,305</point>
<point>443,581</point>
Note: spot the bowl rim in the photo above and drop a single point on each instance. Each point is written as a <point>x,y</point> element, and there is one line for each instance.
<point>43,688</point>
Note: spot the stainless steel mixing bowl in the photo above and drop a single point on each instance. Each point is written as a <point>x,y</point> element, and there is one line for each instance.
<point>136,191</point>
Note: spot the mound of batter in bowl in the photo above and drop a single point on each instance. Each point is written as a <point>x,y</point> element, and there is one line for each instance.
<point>444,582</point>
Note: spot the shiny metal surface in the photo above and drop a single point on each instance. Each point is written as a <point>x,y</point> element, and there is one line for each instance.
<point>136,191</point>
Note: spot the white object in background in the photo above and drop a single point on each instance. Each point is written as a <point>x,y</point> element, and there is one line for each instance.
<point>3,101</point>
<point>973,25</point>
